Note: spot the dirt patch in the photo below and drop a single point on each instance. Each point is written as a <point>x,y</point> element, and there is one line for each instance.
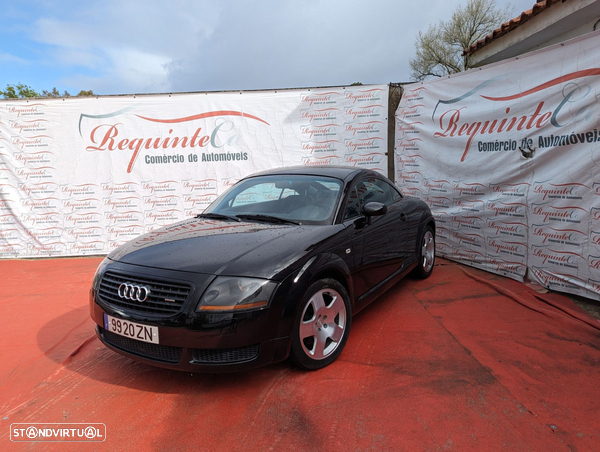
<point>590,306</point>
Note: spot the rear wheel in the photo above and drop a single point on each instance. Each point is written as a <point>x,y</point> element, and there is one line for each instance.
<point>426,254</point>
<point>323,325</point>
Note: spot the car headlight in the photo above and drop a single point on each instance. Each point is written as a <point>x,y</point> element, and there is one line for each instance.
<point>99,270</point>
<point>232,293</point>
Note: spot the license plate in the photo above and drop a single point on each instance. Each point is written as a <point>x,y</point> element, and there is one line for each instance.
<point>144,333</point>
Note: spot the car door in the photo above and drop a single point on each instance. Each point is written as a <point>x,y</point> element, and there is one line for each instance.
<point>378,246</point>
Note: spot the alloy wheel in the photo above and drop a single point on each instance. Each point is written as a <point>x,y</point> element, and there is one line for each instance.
<point>323,324</point>
<point>427,251</point>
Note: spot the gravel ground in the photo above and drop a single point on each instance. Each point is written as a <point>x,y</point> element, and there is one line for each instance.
<point>592,307</point>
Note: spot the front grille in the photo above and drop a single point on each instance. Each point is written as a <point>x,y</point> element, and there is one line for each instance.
<point>165,298</point>
<point>233,355</point>
<point>156,352</point>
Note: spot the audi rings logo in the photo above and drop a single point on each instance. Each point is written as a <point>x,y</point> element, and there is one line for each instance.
<point>133,292</point>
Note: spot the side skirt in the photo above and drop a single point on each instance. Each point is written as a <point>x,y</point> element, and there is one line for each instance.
<point>365,299</point>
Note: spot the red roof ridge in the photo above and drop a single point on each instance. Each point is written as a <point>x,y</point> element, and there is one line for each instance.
<point>511,25</point>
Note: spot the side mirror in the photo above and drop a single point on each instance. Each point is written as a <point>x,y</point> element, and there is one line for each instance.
<point>374,209</point>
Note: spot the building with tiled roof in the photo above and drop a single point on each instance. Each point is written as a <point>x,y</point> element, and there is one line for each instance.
<point>547,22</point>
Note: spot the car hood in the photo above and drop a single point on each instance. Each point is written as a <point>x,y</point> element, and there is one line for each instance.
<point>224,247</point>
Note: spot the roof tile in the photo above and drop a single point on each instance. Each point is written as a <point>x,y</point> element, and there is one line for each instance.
<point>511,25</point>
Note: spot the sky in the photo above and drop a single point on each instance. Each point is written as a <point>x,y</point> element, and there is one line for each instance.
<point>149,46</point>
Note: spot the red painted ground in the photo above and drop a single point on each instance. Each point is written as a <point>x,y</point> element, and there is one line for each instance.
<point>462,361</point>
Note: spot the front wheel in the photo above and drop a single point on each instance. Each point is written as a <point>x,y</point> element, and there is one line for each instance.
<point>426,254</point>
<point>322,326</point>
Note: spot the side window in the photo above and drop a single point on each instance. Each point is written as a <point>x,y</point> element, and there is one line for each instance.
<point>376,190</point>
<point>369,190</point>
<point>352,205</point>
<point>393,193</point>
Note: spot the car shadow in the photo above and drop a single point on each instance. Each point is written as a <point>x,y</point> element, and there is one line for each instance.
<point>75,347</point>
<point>78,350</point>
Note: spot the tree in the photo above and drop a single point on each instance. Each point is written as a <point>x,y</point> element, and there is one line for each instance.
<point>439,50</point>
<point>54,93</point>
<point>18,90</point>
<point>22,91</point>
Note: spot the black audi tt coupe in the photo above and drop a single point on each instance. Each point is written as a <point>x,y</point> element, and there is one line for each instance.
<point>276,266</point>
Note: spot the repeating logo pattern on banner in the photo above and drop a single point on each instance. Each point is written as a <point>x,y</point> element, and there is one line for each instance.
<point>507,158</point>
<point>83,176</point>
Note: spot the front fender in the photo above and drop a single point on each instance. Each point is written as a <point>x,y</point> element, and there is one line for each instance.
<point>426,219</point>
<point>293,288</point>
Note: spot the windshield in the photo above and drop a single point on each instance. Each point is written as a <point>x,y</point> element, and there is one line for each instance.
<point>303,199</point>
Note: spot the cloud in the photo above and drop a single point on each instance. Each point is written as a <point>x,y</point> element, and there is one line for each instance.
<point>284,44</point>
<point>280,44</point>
<point>72,57</point>
<point>8,58</point>
<point>142,69</point>
<point>124,45</point>
<point>134,46</point>
<point>130,71</point>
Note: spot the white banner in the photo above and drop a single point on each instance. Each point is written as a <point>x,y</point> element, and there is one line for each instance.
<point>84,175</point>
<point>507,157</point>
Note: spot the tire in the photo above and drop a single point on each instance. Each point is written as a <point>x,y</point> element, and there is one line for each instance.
<point>322,325</point>
<point>426,254</point>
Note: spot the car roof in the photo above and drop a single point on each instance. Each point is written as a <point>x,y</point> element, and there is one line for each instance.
<point>339,172</point>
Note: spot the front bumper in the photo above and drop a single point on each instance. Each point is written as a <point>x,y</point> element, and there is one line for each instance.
<point>195,351</point>
<point>195,342</point>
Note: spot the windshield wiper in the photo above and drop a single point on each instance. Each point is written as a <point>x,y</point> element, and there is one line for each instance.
<point>267,218</point>
<point>217,216</point>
